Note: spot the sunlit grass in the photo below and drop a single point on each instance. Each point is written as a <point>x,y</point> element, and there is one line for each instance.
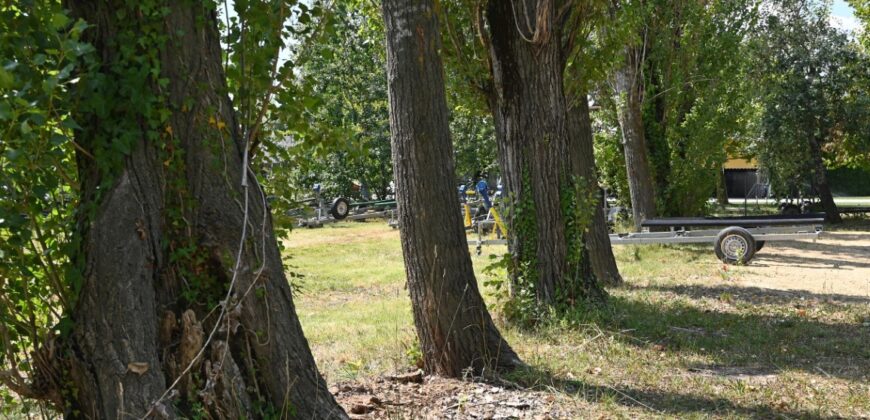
<point>681,339</point>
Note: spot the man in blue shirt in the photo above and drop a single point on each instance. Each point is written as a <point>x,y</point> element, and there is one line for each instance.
<point>483,189</point>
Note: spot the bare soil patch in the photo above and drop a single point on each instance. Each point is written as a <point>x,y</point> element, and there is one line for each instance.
<point>431,397</point>
<point>837,263</point>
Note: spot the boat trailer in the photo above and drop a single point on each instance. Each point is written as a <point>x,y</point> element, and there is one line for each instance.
<point>735,240</point>
<point>341,209</point>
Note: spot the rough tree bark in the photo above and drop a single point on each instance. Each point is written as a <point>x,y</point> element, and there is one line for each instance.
<point>581,146</point>
<point>533,154</point>
<point>134,331</point>
<point>820,182</point>
<point>583,164</point>
<point>582,158</point>
<point>628,88</point>
<point>454,327</point>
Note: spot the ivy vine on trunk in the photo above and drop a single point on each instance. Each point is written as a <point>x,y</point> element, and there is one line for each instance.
<point>549,264</point>
<point>183,307</point>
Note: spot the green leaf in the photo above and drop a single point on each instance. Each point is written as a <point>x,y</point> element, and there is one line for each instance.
<point>59,20</point>
<point>5,111</point>
<point>70,123</point>
<point>57,139</point>
<point>12,154</point>
<point>6,79</point>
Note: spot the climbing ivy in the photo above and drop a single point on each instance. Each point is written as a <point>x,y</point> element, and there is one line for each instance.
<point>50,80</point>
<point>578,198</point>
<point>519,302</point>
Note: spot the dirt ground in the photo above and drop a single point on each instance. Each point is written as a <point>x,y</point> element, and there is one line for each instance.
<point>837,263</point>
<point>430,397</point>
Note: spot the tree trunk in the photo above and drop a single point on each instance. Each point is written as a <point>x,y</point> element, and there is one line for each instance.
<point>629,100</point>
<point>820,183</point>
<point>546,242</point>
<point>583,160</point>
<point>160,228</point>
<point>454,327</point>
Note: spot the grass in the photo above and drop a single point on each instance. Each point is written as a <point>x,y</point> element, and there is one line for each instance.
<point>681,339</point>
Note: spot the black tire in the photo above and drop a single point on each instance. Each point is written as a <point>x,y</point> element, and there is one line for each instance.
<point>758,246</point>
<point>340,208</point>
<point>735,245</point>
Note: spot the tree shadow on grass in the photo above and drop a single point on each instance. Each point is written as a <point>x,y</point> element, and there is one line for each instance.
<point>821,253</point>
<point>804,261</point>
<point>660,402</point>
<point>756,295</point>
<point>843,248</point>
<point>746,346</point>
<point>735,340</point>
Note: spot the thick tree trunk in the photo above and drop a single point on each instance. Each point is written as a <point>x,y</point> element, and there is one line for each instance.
<point>547,251</point>
<point>160,229</point>
<point>582,154</point>
<point>820,183</point>
<point>629,100</point>
<point>581,148</point>
<point>454,327</point>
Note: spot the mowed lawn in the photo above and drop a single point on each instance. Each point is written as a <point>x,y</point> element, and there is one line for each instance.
<point>683,338</point>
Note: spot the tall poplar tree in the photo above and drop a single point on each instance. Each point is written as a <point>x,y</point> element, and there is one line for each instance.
<point>455,329</point>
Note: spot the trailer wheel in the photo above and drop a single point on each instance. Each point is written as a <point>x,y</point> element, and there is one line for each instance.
<point>758,246</point>
<point>340,208</point>
<point>735,245</point>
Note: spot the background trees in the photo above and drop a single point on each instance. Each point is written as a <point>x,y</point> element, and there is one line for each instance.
<point>349,91</point>
<point>629,87</point>
<point>862,12</point>
<point>697,97</point>
<point>679,89</point>
<point>807,73</point>
<point>347,137</point>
